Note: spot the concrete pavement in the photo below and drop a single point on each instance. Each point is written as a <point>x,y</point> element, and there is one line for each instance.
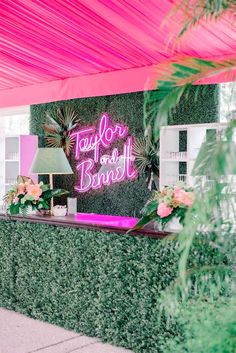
<point>20,334</point>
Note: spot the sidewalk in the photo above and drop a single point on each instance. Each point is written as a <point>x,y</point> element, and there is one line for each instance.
<point>20,334</point>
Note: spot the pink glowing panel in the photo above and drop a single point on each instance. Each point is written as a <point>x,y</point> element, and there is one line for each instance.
<point>105,220</point>
<point>28,147</point>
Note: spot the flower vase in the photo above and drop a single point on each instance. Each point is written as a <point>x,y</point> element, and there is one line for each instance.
<point>173,225</point>
<point>29,211</point>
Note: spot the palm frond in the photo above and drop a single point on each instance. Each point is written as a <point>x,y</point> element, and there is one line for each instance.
<point>67,117</point>
<point>174,81</point>
<point>48,194</point>
<point>146,155</point>
<point>24,179</point>
<point>68,145</point>
<point>58,128</point>
<point>51,129</point>
<point>52,120</point>
<point>54,141</point>
<point>216,159</point>
<point>193,11</point>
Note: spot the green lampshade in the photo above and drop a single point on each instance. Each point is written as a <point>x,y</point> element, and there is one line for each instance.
<point>50,161</point>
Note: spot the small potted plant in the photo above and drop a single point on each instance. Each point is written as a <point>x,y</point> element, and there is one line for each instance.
<point>167,208</point>
<point>26,197</point>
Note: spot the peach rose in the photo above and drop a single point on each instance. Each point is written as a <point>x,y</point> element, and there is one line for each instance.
<point>21,188</point>
<point>163,210</point>
<point>183,197</point>
<point>34,190</point>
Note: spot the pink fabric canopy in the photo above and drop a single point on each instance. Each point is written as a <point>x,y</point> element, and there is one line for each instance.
<point>61,49</point>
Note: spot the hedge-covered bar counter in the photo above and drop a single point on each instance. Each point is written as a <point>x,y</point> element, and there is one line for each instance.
<point>100,284</point>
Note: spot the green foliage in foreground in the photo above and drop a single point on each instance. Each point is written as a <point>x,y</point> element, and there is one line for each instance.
<point>103,285</point>
<point>192,12</point>
<point>210,327</point>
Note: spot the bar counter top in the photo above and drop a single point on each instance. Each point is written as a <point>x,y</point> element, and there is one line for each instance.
<point>105,223</point>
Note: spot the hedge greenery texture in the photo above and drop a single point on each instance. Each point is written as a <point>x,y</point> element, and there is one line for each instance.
<point>100,284</point>
<point>210,327</point>
<point>125,198</point>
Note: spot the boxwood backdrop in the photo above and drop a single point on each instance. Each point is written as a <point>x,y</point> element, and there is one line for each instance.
<point>125,198</point>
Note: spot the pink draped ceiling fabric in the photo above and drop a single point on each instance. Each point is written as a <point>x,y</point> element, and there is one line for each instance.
<point>60,49</point>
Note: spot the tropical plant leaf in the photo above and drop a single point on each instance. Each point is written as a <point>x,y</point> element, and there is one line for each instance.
<point>14,209</point>
<point>48,194</point>
<point>45,187</point>
<point>52,120</point>
<point>193,11</point>
<point>58,128</point>
<point>174,82</point>
<point>50,129</point>
<point>54,141</point>
<point>68,144</point>
<point>141,223</point>
<point>149,208</point>
<point>67,117</point>
<point>24,179</point>
<point>146,154</point>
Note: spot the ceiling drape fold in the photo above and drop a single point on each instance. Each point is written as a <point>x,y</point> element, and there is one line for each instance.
<point>64,49</point>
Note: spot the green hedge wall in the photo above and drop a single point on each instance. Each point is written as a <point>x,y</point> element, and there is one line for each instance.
<point>198,109</point>
<point>103,285</point>
<point>124,198</point>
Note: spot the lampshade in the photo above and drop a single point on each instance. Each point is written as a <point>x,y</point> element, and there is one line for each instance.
<point>50,161</point>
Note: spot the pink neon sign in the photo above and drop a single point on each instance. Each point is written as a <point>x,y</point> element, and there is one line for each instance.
<point>114,167</point>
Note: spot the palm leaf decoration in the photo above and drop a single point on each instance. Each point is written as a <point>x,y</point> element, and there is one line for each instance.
<point>174,81</point>
<point>58,128</point>
<point>141,153</point>
<point>193,11</point>
<point>146,155</point>
<point>24,179</point>
<point>50,193</point>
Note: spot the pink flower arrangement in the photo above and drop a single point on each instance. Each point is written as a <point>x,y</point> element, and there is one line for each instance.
<point>171,199</point>
<point>26,190</point>
<point>28,195</point>
<point>169,203</point>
